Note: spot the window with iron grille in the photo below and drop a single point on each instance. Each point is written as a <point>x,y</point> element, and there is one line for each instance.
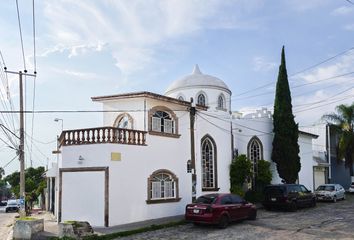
<point>221,102</point>
<point>208,163</point>
<point>255,152</point>
<point>162,122</point>
<point>162,186</point>
<point>201,100</point>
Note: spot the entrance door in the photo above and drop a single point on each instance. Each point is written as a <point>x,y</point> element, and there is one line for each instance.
<point>83,195</point>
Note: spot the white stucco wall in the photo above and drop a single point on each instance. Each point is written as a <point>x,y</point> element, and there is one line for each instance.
<point>306,158</point>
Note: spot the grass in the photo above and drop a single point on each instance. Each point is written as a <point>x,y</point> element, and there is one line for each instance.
<point>27,219</point>
<point>127,233</point>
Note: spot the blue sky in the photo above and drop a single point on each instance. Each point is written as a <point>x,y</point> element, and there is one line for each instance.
<point>93,48</point>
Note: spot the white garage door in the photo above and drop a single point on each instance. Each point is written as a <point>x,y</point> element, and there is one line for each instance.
<point>83,197</point>
<point>319,177</point>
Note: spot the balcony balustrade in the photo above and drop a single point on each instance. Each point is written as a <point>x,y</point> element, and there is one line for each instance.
<point>102,135</point>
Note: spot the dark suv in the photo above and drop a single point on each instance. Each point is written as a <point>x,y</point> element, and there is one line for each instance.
<point>289,196</point>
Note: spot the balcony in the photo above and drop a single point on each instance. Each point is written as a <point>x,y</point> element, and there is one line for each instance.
<point>102,135</point>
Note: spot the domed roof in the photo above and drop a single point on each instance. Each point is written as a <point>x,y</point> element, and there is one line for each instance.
<point>197,80</point>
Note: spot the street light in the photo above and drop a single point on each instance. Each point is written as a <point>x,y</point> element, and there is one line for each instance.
<point>62,122</point>
<point>57,151</point>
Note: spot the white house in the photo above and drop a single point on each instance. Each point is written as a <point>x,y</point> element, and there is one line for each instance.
<point>148,160</point>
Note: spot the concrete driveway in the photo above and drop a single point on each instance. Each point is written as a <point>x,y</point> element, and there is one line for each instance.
<point>326,221</point>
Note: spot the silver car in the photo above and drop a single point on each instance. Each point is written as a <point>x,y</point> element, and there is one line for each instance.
<point>330,192</point>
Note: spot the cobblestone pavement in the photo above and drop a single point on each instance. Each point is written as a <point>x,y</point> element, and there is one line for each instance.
<point>6,222</point>
<point>326,221</point>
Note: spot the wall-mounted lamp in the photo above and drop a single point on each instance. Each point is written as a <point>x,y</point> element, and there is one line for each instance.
<point>81,158</point>
<point>189,166</point>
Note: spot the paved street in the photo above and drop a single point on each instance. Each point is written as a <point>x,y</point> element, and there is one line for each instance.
<point>326,221</point>
<point>6,221</point>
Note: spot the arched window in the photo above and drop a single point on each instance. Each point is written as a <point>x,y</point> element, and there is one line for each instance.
<point>201,99</point>
<point>124,121</point>
<point>255,152</point>
<point>180,98</point>
<point>209,164</point>
<point>162,187</point>
<point>221,102</point>
<point>163,121</point>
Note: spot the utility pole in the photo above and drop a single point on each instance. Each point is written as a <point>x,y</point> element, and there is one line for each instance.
<point>22,143</point>
<point>192,111</point>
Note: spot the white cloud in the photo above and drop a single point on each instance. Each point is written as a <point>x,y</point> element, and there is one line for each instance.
<point>261,64</point>
<point>82,75</point>
<point>307,5</point>
<point>344,65</point>
<point>349,27</point>
<point>341,11</point>
<point>133,29</point>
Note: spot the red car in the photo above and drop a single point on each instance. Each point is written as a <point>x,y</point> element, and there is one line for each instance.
<point>220,209</point>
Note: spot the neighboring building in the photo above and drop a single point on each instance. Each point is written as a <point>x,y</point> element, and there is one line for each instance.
<point>139,164</point>
<point>253,136</point>
<point>328,169</point>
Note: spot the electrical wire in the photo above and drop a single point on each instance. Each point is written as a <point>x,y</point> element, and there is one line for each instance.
<point>19,26</point>
<point>34,37</point>
<point>10,162</point>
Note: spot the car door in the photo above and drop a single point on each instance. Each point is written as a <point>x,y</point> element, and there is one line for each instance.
<point>228,206</point>
<point>242,209</point>
<point>340,191</point>
<point>306,195</point>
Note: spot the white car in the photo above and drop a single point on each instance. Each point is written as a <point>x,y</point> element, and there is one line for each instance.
<point>351,188</point>
<point>330,192</point>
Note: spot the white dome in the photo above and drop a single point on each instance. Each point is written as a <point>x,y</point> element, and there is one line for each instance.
<point>197,80</point>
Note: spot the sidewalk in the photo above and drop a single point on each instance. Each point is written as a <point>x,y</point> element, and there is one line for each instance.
<point>51,227</point>
<point>136,225</point>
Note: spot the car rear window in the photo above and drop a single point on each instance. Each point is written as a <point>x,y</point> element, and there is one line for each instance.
<point>275,190</point>
<point>325,188</point>
<point>206,199</point>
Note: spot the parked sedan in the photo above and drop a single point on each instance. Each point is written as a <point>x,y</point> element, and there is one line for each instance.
<point>351,188</point>
<point>330,192</point>
<point>12,206</point>
<point>219,209</point>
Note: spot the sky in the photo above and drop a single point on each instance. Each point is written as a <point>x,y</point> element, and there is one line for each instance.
<point>101,47</point>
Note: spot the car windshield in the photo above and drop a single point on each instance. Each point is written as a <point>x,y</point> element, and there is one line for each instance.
<point>12,202</point>
<point>209,199</point>
<point>325,188</point>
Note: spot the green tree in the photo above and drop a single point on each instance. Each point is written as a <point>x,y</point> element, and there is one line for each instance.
<point>264,175</point>
<point>285,152</point>
<point>343,121</point>
<point>240,170</point>
<point>34,183</point>
<point>2,172</point>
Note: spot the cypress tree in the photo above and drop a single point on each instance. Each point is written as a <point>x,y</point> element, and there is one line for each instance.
<point>286,150</point>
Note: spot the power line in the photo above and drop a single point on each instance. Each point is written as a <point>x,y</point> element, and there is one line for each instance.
<point>324,61</point>
<point>34,38</point>
<point>298,72</point>
<point>19,26</point>
<point>9,162</point>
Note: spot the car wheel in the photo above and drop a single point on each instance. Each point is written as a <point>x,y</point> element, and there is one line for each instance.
<point>6,210</point>
<point>293,206</point>
<point>335,199</point>
<point>223,222</point>
<point>313,204</point>
<point>196,223</point>
<point>253,215</point>
<point>268,208</point>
